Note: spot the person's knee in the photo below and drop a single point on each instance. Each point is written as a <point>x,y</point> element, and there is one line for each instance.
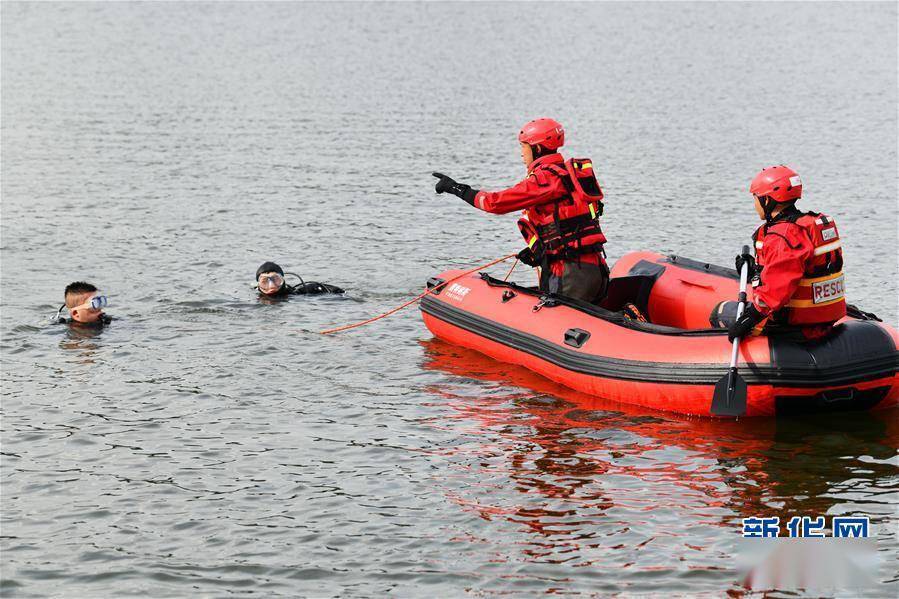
<point>724,314</point>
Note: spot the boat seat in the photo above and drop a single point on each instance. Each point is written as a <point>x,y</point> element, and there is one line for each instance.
<point>633,288</point>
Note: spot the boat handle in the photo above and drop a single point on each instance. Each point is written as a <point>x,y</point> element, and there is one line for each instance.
<point>835,395</point>
<point>694,284</point>
<point>576,337</point>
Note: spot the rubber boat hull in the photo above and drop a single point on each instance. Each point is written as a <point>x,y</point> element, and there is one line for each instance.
<point>673,362</point>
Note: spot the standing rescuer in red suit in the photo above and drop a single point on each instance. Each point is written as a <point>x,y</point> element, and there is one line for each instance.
<point>797,273</point>
<point>562,202</point>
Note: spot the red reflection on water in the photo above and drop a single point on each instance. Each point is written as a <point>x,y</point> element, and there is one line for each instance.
<point>588,471</point>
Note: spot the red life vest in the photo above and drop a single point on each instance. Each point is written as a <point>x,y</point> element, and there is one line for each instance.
<point>819,299</point>
<point>568,227</point>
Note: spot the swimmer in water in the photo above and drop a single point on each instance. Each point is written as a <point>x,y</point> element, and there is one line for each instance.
<point>85,306</point>
<point>270,283</point>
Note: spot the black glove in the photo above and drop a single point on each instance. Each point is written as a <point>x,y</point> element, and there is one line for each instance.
<point>445,183</point>
<point>745,259</point>
<point>457,189</point>
<point>527,256</point>
<point>744,325</point>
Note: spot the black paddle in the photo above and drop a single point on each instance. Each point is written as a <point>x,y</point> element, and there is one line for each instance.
<point>730,392</point>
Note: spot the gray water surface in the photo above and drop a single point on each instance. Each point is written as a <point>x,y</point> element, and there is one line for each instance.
<point>208,443</point>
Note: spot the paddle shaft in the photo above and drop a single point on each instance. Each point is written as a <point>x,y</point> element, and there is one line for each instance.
<point>729,398</point>
<point>744,277</point>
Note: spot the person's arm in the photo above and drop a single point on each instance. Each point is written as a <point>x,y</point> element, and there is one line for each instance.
<point>784,255</point>
<point>537,188</point>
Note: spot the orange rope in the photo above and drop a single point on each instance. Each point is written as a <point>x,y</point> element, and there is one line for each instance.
<point>418,297</point>
<point>509,274</point>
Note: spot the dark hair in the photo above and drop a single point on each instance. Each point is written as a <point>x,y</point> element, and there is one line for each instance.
<point>79,287</point>
<point>769,206</point>
<point>540,151</point>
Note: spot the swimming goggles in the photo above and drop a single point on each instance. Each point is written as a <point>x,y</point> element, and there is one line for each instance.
<point>271,281</point>
<point>94,303</point>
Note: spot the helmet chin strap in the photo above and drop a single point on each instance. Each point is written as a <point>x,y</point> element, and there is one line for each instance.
<point>770,206</point>
<point>767,207</point>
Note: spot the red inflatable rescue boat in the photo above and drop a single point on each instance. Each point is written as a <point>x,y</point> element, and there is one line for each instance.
<point>673,361</point>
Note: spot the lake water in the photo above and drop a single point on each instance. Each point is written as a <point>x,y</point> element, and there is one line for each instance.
<point>210,444</point>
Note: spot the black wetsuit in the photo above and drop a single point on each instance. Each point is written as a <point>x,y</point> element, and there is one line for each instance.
<point>311,288</point>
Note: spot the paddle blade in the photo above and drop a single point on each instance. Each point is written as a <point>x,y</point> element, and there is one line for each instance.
<point>730,395</point>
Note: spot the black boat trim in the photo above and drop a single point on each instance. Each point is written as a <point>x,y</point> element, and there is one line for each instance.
<point>713,269</point>
<point>659,372</point>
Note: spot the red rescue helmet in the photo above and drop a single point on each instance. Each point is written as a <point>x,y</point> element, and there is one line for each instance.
<point>544,132</point>
<point>780,183</point>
